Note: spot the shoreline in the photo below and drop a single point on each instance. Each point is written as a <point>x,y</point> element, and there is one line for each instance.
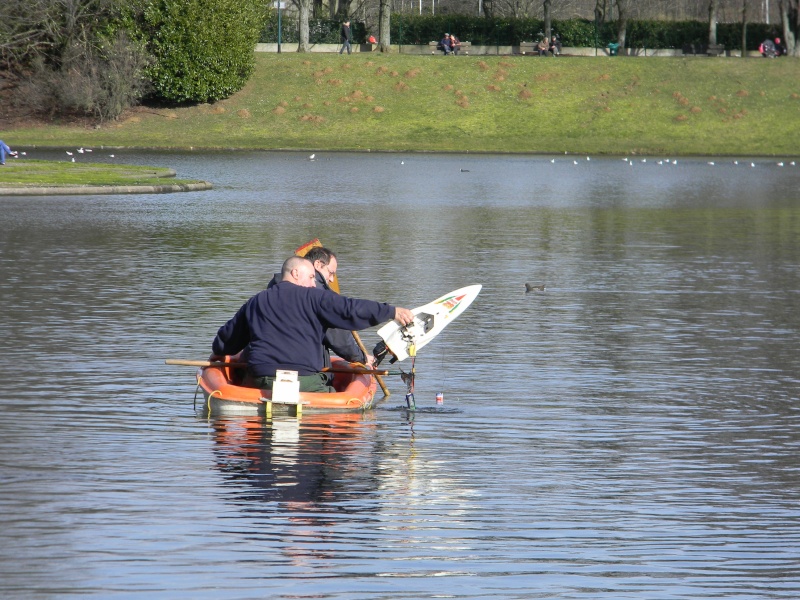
<point>316,149</point>
<point>92,190</point>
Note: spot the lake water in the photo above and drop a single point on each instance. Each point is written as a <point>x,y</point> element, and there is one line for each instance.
<point>631,432</point>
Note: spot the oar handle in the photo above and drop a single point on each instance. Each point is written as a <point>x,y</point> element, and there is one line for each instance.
<point>360,344</point>
<point>204,363</point>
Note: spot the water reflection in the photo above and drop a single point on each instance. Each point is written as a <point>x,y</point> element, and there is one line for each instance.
<point>306,462</point>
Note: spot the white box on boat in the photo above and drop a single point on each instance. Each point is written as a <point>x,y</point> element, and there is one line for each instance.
<point>286,388</point>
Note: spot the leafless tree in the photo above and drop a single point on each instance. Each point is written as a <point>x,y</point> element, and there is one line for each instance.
<point>384,22</point>
<point>790,20</point>
<point>712,22</point>
<point>305,13</point>
<point>547,5</point>
<point>623,14</point>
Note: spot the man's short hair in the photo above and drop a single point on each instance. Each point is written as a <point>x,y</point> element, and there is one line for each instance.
<point>321,254</point>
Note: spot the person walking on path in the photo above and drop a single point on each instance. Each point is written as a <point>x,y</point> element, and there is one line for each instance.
<point>4,149</point>
<point>347,37</point>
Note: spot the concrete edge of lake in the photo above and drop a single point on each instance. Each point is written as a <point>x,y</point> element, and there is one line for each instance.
<point>91,190</point>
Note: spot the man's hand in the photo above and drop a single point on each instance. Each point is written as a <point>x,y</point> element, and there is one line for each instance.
<point>403,316</point>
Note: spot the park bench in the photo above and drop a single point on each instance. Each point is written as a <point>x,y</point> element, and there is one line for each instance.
<point>434,46</point>
<point>704,49</point>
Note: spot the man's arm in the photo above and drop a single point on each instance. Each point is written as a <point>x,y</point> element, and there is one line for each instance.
<point>232,337</point>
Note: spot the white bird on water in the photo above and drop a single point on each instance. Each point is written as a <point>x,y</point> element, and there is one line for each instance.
<point>780,164</point>
<point>553,160</point>
<point>73,159</point>
<point>311,157</point>
<point>711,162</point>
<point>69,153</point>
<point>80,150</point>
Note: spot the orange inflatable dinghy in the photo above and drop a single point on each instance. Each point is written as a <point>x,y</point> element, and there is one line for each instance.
<point>223,394</point>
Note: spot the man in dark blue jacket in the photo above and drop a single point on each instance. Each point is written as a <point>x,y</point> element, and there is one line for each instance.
<point>340,341</point>
<point>283,326</point>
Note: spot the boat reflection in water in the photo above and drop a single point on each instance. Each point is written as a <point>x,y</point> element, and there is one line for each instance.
<point>317,459</point>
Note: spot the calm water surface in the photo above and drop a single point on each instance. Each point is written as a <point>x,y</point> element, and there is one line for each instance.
<point>631,432</point>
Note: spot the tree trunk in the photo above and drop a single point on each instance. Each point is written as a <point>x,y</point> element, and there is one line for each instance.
<point>622,24</point>
<point>712,22</point>
<point>787,7</point>
<point>547,20</point>
<point>305,9</point>
<point>384,22</point>
<point>744,28</point>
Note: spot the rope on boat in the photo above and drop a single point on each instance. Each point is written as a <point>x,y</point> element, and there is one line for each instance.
<point>209,399</point>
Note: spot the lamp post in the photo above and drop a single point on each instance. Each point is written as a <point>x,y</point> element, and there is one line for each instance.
<point>279,6</point>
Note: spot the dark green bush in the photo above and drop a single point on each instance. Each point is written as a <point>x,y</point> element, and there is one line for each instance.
<point>203,49</point>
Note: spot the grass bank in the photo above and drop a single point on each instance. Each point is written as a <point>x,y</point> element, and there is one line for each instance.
<point>23,175</point>
<point>479,104</point>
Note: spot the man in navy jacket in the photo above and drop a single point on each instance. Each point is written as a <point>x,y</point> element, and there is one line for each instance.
<point>283,327</point>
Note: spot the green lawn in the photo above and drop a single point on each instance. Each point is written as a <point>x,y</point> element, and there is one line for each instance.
<point>21,173</point>
<point>675,106</point>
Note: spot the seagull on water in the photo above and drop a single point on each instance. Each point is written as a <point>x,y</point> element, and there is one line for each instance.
<point>780,164</point>
<point>80,150</point>
<point>534,288</point>
<point>69,153</point>
<point>311,157</point>
<point>465,170</point>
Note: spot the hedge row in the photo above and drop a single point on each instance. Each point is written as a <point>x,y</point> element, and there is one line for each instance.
<point>576,32</point>
<point>411,29</point>
<point>320,31</point>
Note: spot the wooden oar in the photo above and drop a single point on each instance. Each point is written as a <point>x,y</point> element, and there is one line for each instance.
<point>334,285</point>
<point>240,365</point>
